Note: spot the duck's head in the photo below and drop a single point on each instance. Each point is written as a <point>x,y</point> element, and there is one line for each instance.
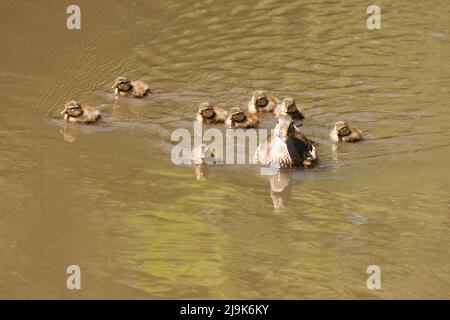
<point>259,98</point>
<point>342,129</point>
<point>206,110</point>
<point>237,114</point>
<point>285,127</point>
<point>122,83</point>
<point>288,105</point>
<point>73,109</point>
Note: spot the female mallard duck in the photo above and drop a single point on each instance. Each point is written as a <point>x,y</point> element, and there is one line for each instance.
<point>75,112</point>
<point>289,107</point>
<point>287,147</point>
<point>240,119</point>
<point>262,102</point>
<point>210,114</point>
<point>345,133</point>
<point>134,89</point>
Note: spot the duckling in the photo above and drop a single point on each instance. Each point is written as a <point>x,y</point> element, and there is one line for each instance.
<point>343,132</point>
<point>205,154</point>
<point>75,112</point>
<point>287,147</point>
<point>262,102</point>
<point>240,119</point>
<point>210,114</point>
<point>288,106</point>
<point>133,89</point>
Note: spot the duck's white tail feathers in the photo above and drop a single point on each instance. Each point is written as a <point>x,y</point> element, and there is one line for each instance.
<point>313,153</point>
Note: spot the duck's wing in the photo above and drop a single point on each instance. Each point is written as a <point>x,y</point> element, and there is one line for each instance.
<point>298,150</point>
<point>252,120</point>
<point>273,103</point>
<point>357,132</point>
<point>90,114</point>
<point>221,114</point>
<point>300,136</point>
<point>140,88</point>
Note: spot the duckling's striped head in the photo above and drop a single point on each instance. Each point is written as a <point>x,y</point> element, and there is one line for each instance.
<point>288,105</point>
<point>237,114</point>
<point>342,129</point>
<point>72,108</point>
<point>122,83</point>
<point>206,110</point>
<point>259,98</point>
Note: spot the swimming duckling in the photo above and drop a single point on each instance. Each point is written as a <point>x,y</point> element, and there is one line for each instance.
<point>262,102</point>
<point>134,89</point>
<point>74,112</point>
<point>205,154</point>
<point>210,114</point>
<point>240,119</point>
<point>289,107</point>
<point>343,132</point>
<point>287,147</point>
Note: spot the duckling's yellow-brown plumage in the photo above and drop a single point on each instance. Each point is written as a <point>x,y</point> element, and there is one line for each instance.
<point>288,106</point>
<point>133,89</point>
<point>80,113</point>
<point>211,114</point>
<point>343,132</point>
<point>238,118</point>
<point>262,102</point>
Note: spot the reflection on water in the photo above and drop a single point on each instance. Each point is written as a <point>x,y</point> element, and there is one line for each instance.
<point>112,202</point>
<point>280,189</point>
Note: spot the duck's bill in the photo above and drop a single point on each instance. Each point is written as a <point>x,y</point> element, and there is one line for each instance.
<point>64,112</point>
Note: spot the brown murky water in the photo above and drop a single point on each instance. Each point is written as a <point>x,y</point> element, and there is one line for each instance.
<point>112,202</point>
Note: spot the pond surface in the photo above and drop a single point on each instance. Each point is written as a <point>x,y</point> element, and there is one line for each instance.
<point>108,198</point>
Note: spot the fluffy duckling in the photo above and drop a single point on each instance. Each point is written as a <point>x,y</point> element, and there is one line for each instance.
<point>240,119</point>
<point>288,106</point>
<point>262,102</point>
<point>343,132</point>
<point>133,89</point>
<point>287,147</point>
<point>210,114</point>
<point>75,112</point>
<point>205,154</point>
